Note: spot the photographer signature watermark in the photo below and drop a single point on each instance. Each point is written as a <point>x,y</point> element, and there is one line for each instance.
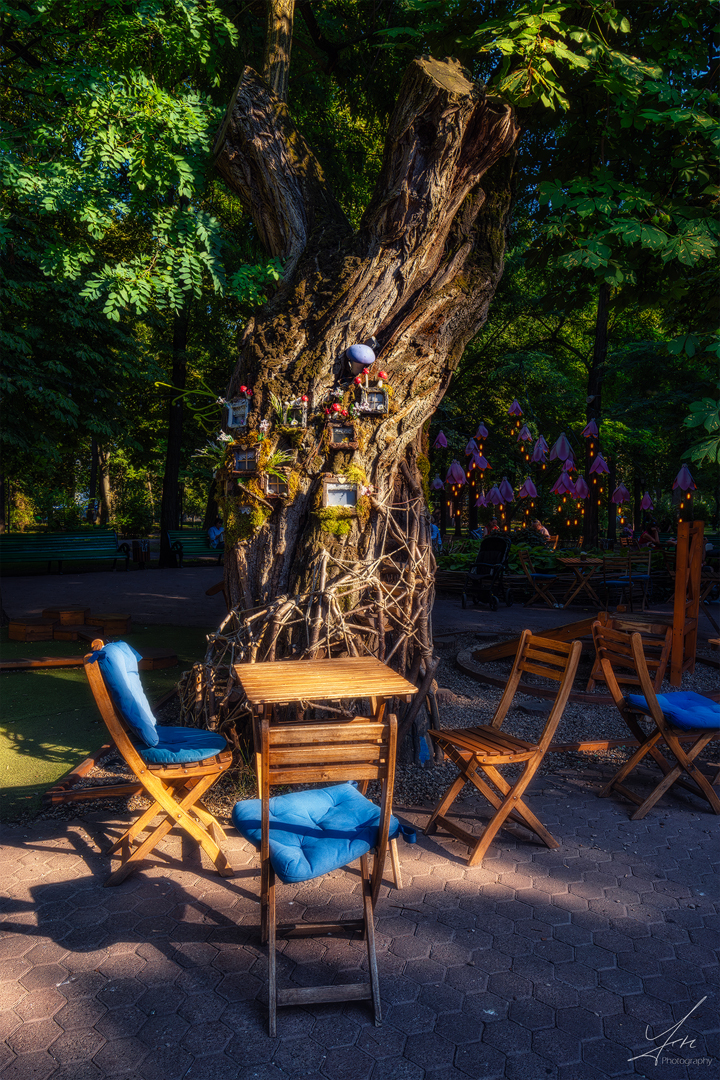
<point>680,1043</point>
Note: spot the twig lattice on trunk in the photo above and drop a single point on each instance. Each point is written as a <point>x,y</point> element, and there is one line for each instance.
<point>380,607</point>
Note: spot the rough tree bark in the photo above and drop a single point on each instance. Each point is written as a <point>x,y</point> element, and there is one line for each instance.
<point>417,278</point>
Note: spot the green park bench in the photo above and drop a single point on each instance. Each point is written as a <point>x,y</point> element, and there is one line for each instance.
<point>193,544</point>
<point>84,545</point>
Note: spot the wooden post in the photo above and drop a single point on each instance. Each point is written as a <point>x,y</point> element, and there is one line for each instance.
<point>686,604</point>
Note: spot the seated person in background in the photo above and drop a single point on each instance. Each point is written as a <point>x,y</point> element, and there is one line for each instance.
<point>540,528</point>
<point>435,535</point>
<point>493,526</point>
<point>216,533</point>
<point>649,537</point>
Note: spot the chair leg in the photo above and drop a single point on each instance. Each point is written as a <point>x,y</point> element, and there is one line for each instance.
<point>272,957</point>
<point>395,859</point>
<point>370,938</point>
<point>446,802</point>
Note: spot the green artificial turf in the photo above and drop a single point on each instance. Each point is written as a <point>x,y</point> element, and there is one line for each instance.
<point>48,720</point>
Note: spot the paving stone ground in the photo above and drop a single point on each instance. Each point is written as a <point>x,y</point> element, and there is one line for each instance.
<point>556,965</point>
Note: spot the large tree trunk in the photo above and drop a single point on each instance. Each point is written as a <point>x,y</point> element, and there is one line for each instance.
<point>416,280</point>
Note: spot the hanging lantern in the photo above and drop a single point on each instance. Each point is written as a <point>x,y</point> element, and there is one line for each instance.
<point>479,461</point>
<point>440,442</point>
<point>471,448</point>
<point>590,430</point>
<point>524,434</point>
<point>481,499</point>
<point>455,474</point>
<point>515,409</point>
<point>599,465</point>
<point>561,448</point>
<point>564,485</point>
<point>528,490</point>
<point>538,454</point>
<point>684,480</point>
<point>494,496</point>
<point>437,484</point>
<point>581,489</point>
<point>506,490</point>
<point>647,503</point>
<point>482,432</point>
<point>620,495</point>
<point>570,465</point>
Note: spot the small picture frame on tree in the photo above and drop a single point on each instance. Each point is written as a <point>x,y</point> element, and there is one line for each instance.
<point>342,437</point>
<point>297,415</point>
<point>237,412</point>
<point>340,493</point>
<point>244,460</point>
<point>275,487</point>
<point>373,399</point>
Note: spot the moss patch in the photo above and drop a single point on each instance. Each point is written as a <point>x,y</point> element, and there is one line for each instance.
<point>423,465</point>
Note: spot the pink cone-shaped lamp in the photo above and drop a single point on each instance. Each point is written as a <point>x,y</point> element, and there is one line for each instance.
<point>471,448</point>
<point>440,442</point>
<point>528,490</point>
<point>620,495</point>
<point>494,495</point>
<point>538,454</point>
<point>482,432</point>
<point>599,465</point>
<point>506,490</point>
<point>647,503</point>
<point>524,434</point>
<point>455,474</point>
<point>570,465</point>
<point>590,430</point>
<point>684,480</point>
<point>581,489</point>
<point>479,461</point>
<point>564,485</point>
<point>515,409</point>
<point>481,499</point>
<point>561,448</point>
<point>437,484</point>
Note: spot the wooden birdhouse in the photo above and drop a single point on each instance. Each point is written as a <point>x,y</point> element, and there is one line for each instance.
<point>237,412</point>
<point>340,492</point>
<point>373,400</point>
<point>297,414</point>
<point>244,460</point>
<point>342,437</point>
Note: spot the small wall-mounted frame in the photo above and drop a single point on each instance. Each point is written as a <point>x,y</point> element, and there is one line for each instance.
<point>237,412</point>
<point>340,493</point>
<point>342,437</point>
<point>244,460</point>
<point>373,400</point>
<point>297,415</point>
<point>276,487</point>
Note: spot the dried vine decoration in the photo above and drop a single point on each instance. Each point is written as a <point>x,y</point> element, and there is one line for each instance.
<point>380,607</point>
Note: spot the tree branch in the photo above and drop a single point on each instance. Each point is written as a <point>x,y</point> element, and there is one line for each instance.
<point>278,44</point>
<point>269,165</point>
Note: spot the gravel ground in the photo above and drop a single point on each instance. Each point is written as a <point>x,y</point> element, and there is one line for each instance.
<point>463,702</point>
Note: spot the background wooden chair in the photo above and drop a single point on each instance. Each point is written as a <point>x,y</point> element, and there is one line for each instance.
<point>482,749</point>
<point>672,716</point>
<point>540,582</point>
<point>176,771</point>
<point>306,834</point>
<point>657,642</point>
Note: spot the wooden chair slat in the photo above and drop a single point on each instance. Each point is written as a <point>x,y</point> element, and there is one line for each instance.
<point>316,734</point>
<point>546,672</point>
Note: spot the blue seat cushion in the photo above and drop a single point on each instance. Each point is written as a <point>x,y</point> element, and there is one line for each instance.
<point>685,709</point>
<point>314,831</point>
<point>182,745</point>
<point>119,666</point>
<point>543,577</point>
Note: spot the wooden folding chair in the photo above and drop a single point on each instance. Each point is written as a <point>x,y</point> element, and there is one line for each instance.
<point>482,749</point>
<point>539,582</point>
<point>297,753</point>
<point>173,788</point>
<point>617,649</point>
<point>657,643</point>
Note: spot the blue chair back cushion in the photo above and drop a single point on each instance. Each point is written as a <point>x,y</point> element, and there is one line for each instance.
<point>315,831</point>
<point>685,709</point>
<point>119,666</point>
<point>181,745</point>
